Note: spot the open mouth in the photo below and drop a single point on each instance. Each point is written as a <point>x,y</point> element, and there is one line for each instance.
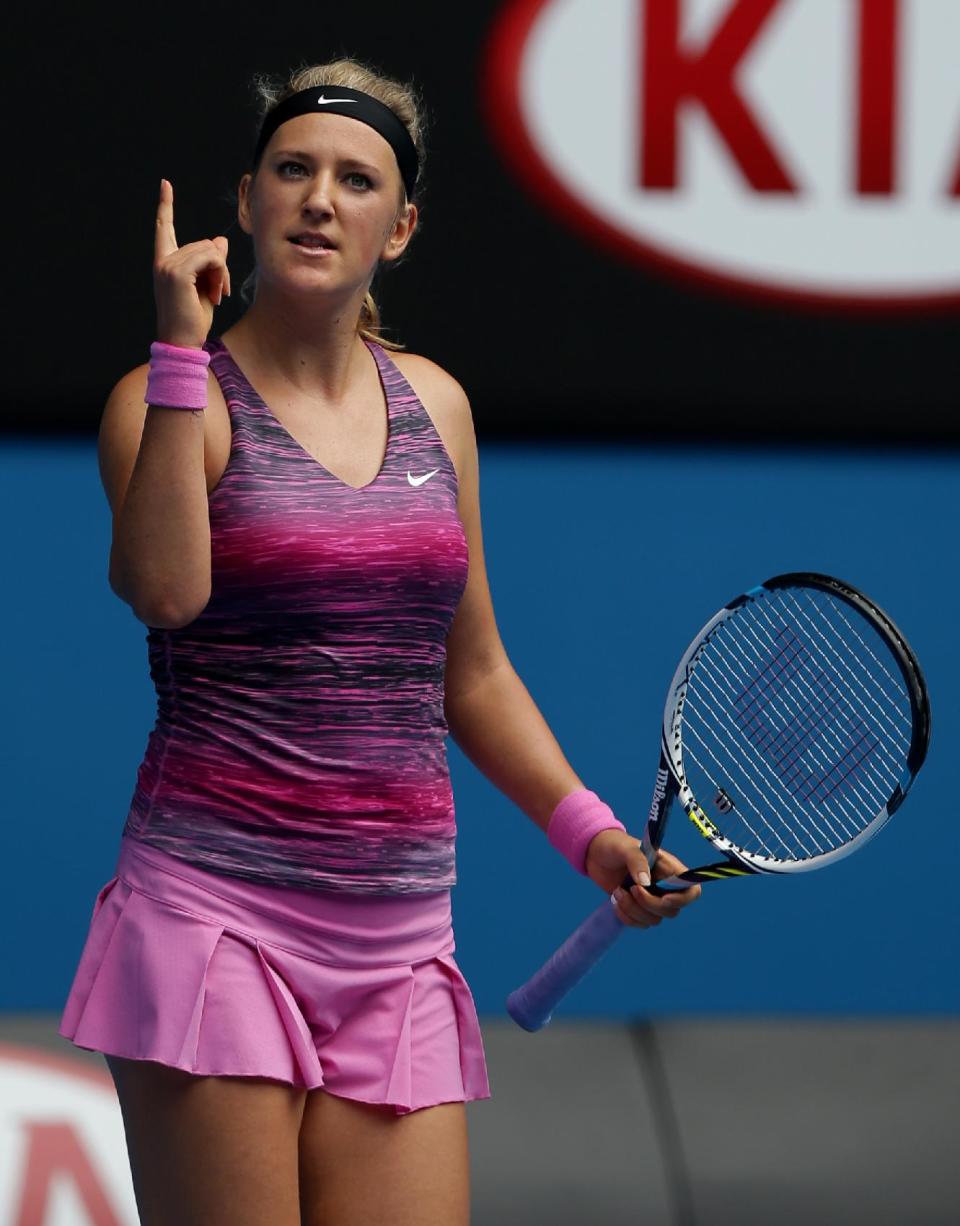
<point>312,242</point>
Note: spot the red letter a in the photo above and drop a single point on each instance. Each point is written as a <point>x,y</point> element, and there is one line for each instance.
<point>54,1152</point>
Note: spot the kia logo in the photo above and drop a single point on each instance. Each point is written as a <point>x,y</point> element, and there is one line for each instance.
<point>802,150</point>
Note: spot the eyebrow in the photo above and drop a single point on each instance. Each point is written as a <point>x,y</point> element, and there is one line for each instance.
<point>308,157</point>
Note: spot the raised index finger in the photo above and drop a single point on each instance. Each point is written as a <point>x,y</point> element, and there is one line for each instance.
<point>165,242</point>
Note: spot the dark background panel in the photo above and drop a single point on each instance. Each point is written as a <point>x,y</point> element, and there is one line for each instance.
<point>550,334</point>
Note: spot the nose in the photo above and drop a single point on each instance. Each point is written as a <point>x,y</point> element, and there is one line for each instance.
<point>318,198</point>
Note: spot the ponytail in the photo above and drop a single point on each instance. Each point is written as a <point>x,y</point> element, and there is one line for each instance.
<point>369,324</point>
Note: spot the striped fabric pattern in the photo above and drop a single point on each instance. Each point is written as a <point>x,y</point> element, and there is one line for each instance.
<point>300,729</point>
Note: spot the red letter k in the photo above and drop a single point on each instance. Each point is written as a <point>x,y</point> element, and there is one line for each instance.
<point>672,76</point>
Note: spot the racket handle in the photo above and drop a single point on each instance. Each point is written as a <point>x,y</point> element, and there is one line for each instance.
<point>531,1005</point>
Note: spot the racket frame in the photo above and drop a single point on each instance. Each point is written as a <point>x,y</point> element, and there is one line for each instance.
<point>671,781</point>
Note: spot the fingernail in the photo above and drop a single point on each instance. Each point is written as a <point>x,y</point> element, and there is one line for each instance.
<point>644,878</point>
<point>613,897</point>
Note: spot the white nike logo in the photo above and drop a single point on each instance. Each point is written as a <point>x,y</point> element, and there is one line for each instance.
<point>321,101</point>
<point>420,480</point>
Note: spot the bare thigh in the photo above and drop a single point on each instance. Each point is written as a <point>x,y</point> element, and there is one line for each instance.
<point>209,1151</point>
<point>361,1163</point>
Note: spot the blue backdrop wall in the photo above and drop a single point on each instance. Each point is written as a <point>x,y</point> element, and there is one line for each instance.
<point>603,562</point>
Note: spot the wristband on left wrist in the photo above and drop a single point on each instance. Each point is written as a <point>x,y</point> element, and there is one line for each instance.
<point>575,821</point>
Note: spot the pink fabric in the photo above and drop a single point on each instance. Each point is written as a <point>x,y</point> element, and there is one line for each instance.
<point>223,977</point>
<point>574,822</point>
<point>177,378</point>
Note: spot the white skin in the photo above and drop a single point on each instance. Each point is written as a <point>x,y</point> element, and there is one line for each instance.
<point>344,182</point>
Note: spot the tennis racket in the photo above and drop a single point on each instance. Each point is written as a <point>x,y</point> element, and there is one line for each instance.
<point>793,728</point>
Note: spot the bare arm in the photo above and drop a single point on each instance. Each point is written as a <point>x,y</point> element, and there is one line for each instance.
<point>488,709</point>
<point>152,457</point>
<point>151,465</point>
<point>500,729</point>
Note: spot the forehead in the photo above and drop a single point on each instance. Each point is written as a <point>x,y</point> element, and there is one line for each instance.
<point>333,135</point>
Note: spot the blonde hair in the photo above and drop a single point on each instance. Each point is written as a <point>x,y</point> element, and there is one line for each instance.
<point>402,99</point>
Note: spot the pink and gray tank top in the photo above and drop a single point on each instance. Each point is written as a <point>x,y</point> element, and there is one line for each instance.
<point>300,728</point>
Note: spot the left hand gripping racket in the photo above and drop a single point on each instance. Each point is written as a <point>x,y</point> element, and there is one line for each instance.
<point>793,728</point>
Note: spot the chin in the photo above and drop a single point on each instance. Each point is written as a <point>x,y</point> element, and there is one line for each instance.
<point>311,286</point>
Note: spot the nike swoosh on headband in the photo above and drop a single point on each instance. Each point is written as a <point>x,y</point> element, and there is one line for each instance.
<point>363,107</point>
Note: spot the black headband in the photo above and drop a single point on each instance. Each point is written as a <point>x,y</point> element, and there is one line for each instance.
<point>336,99</point>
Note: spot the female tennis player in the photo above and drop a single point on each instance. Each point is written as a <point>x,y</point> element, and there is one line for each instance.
<point>296,521</point>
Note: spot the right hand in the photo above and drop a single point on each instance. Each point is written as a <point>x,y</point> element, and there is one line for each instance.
<point>188,282</point>
<point>640,909</point>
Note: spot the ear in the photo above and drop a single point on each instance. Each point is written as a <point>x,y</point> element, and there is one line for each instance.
<point>401,233</point>
<point>243,206</point>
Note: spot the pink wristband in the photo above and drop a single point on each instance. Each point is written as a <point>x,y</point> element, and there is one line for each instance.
<point>178,377</point>
<point>574,822</point>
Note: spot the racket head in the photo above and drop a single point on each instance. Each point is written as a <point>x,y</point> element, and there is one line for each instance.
<point>794,726</point>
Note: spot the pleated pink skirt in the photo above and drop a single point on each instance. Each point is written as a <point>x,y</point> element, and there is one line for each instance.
<point>219,976</point>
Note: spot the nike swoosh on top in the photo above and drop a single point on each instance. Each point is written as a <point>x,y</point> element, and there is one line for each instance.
<point>420,480</point>
<point>321,101</point>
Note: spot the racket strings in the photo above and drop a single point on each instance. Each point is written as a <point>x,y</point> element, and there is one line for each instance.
<point>824,751</point>
<point>890,705</point>
<point>798,834</point>
<point>810,682</point>
<point>894,681</point>
<point>813,684</point>
<point>875,750</point>
<point>795,848</point>
<point>789,835</point>
<point>832,738</point>
<point>884,767</point>
<point>839,830</point>
<point>800,725</point>
<point>793,709</point>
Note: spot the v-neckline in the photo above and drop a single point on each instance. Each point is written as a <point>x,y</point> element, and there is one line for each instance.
<point>357,489</point>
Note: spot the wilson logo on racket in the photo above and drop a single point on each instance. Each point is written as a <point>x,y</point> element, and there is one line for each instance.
<point>659,792</point>
<point>766,147</point>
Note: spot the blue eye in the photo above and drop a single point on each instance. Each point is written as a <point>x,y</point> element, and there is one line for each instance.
<point>365,182</point>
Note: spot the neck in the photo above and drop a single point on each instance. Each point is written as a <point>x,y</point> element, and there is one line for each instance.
<point>317,350</point>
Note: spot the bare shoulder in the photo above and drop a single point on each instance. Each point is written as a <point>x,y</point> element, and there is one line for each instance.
<point>127,397</point>
<point>133,383</point>
<point>121,428</point>
<point>131,389</point>
<point>444,399</point>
